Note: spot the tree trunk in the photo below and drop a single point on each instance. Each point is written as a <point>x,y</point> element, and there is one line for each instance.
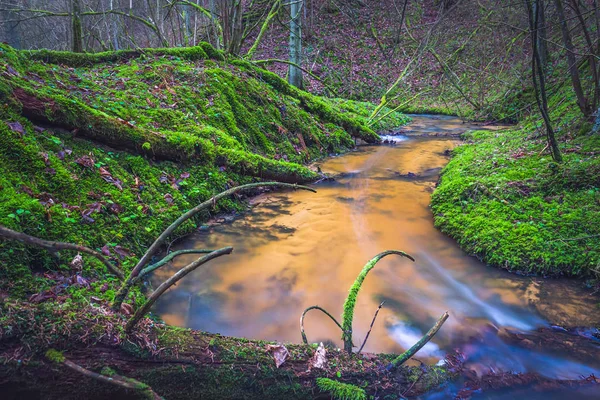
<point>115,28</point>
<point>571,60</point>
<point>295,73</point>
<point>542,43</point>
<point>76,28</point>
<point>537,74</point>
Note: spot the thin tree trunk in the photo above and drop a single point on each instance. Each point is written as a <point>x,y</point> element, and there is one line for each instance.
<point>76,28</point>
<point>537,73</point>
<point>591,56</point>
<point>571,60</point>
<point>115,28</point>
<point>295,73</point>
<point>542,43</point>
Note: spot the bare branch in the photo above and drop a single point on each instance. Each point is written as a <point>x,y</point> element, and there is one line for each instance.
<point>56,246</point>
<point>176,277</point>
<point>402,358</point>
<point>304,339</point>
<point>371,327</point>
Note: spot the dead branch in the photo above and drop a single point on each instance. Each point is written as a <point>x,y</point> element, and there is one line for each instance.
<point>168,258</point>
<point>371,327</point>
<point>304,339</point>
<point>117,380</point>
<point>176,277</point>
<point>402,358</point>
<point>153,249</point>
<point>56,246</point>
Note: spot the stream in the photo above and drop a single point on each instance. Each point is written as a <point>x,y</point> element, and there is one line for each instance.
<point>297,249</point>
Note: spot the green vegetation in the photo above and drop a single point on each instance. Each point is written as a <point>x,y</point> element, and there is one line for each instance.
<point>504,199</point>
<point>341,391</point>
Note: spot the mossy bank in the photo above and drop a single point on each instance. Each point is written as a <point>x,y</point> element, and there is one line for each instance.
<point>504,199</point>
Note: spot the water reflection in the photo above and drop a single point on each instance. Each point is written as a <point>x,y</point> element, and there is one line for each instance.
<point>298,249</point>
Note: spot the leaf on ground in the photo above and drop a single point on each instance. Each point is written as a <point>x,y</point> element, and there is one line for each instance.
<point>86,161</point>
<point>16,127</point>
<point>319,359</point>
<point>77,262</point>
<point>105,250</point>
<point>123,252</point>
<point>126,309</point>
<point>169,198</point>
<point>280,353</point>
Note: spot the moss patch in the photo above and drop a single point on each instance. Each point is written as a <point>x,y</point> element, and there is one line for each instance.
<point>505,200</point>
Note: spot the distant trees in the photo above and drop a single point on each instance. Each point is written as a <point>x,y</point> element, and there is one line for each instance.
<point>92,25</point>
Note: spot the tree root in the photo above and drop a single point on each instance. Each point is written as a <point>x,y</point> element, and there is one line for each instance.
<point>56,246</point>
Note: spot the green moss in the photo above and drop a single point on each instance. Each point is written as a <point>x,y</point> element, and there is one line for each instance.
<point>341,391</point>
<point>107,371</point>
<point>55,356</point>
<point>504,199</point>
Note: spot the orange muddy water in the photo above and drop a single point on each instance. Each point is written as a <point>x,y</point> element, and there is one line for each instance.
<point>297,249</point>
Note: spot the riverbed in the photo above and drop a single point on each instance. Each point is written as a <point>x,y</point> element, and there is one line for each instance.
<point>298,249</point>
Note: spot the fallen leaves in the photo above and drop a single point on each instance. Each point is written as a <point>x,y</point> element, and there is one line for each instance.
<point>319,359</point>
<point>16,127</point>
<point>280,353</point>
<point>85,161</point>
<point>107,176</point>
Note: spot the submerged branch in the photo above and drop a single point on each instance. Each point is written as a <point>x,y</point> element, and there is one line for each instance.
<point>402,358</point>
<point>56,246</point>
<point>176,277</point>
<point>304,339</point>
<point>169,257</point>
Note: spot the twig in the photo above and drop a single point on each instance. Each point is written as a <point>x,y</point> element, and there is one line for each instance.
<point>56,246</point>
<point>315,308</point>
<point>176,277</point>
<point>117,380</point>
<point>371,327</point>
<point>169,257</point>
<point>402,358</point>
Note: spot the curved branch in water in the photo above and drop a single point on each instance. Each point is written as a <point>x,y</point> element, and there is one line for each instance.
<point>176,277</point>
<point>153,249</point>
<point>315,308</point>
<point>169,257</point>
<point>351,299</point>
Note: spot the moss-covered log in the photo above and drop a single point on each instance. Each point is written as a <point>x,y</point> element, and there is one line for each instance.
<point>196,365</point>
